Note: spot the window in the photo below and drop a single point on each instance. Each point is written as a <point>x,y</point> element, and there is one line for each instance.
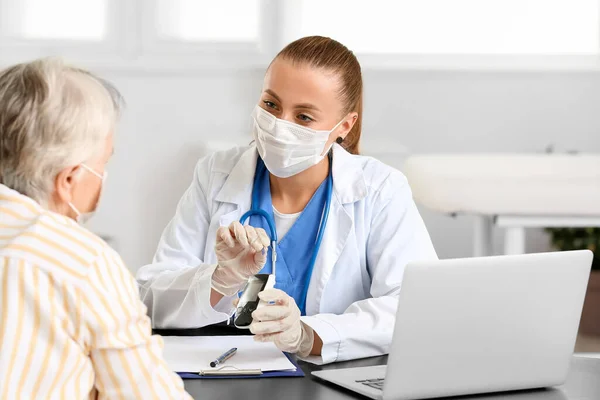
<point>191,34</point>
<point>208,21</point>
<point>523,27</point>
<point>72,20</point>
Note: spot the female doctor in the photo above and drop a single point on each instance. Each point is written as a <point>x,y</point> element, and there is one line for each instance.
<point>346,225</point>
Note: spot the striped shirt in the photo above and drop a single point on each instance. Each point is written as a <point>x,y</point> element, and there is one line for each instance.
<point>72,324</point>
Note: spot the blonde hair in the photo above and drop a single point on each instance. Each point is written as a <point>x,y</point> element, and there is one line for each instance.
<point>52,116</point>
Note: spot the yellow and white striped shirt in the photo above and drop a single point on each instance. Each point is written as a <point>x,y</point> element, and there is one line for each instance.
<point>72,324</point>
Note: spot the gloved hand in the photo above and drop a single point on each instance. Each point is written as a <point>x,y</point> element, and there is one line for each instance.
<point>280,323</point>
<point>241,252</point>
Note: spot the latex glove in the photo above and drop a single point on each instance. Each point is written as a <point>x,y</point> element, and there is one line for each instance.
<point>241,252</point>
<point>280,323</point>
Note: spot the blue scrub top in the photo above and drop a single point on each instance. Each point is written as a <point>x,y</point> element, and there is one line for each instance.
<point>295,249</point>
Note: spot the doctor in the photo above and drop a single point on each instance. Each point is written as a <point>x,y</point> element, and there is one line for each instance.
<point>346,225</point>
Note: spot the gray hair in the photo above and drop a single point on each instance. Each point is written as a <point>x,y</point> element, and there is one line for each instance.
<point>52,116</point>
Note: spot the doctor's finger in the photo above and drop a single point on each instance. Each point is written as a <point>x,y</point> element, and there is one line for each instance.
<point>240,233</point>
<point>271,313</point>
<point>281,325</point>
<point>275,295</point>
<point>225,235</point>
<point>268,337</point>
<point>260,258</point>
<point>263,237</point>
<point>253,239</point>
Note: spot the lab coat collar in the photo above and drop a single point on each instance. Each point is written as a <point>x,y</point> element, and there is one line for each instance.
<point>237,188</point>
<point>349,183</point>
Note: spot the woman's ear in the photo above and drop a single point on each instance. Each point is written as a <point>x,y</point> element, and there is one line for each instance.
<point>347,125</point>
<point>63,185</point>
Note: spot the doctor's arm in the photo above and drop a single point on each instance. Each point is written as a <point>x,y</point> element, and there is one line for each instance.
<point>397,236</point>
<point>176,287</point>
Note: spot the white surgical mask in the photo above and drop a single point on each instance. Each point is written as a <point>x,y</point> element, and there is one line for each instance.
<point>287,148</point>
<point>82,218</point>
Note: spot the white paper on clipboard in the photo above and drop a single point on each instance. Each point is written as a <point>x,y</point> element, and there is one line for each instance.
<point>194,353</point>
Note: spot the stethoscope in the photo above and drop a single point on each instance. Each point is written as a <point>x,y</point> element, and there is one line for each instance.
<point>255,210</point>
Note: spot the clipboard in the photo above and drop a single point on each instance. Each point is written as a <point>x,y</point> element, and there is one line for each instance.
<point>229,372</point>
<point>190,357</point>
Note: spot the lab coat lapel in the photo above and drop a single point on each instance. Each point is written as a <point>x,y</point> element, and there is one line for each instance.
<point>349,187</point>
<point>237,189</point>
<point>335,236</point>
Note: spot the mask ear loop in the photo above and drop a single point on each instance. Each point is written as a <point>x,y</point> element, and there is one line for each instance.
<point>75,210</point>
<point>339,139</point>
<point>94,172</point>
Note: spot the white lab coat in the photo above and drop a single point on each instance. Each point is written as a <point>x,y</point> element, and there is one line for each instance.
<point>374,230</point>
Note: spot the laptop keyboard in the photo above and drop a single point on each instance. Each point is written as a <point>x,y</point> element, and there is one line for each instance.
<point>374,383</point>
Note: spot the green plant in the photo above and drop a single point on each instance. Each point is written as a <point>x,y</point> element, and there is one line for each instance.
<point>577,239</point>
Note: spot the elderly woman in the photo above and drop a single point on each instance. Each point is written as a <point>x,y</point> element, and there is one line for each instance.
<point>72,323</point>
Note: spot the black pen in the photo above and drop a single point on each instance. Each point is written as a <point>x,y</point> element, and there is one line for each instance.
<point>224,357</point>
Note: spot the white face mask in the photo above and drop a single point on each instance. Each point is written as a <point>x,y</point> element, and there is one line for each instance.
<point>287,148</point>
<point>82,218</point>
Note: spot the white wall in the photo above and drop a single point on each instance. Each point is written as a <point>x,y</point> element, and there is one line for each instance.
<point>169,117</point>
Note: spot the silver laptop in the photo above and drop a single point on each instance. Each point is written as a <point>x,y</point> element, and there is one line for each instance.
<point>479,325</point>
